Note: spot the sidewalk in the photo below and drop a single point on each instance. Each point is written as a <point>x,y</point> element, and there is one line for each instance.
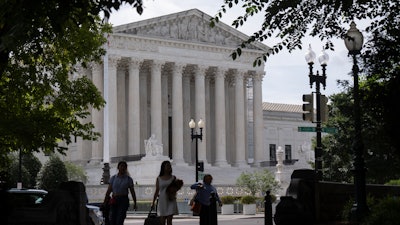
<point>142,216</point>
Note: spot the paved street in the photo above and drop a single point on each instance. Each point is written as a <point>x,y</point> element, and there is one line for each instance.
<point>193,220</point>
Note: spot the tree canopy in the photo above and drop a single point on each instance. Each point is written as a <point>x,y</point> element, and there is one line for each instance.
<point>52,174</point>
<point>44,97</point>
<point>29,22</point>
<point>292,20</point>
<point>379,151</point>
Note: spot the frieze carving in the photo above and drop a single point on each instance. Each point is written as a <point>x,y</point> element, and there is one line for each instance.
<point>189,28</point>
<point>141,44</point>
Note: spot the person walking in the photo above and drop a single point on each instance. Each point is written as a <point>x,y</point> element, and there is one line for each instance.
<point>166,207</point>
<point>120,184</point>
<point>205,191</point>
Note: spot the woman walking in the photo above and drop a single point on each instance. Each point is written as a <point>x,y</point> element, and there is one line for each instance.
<point>119,185</point>
<point>167,207</point>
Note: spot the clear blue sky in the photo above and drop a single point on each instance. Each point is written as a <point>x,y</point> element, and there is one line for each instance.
<point>286,78</point>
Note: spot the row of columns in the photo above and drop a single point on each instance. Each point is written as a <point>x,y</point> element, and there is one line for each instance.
<point>135,110</point>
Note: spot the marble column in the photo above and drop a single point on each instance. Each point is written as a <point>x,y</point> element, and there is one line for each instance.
<point>177,115</point>
<point>259,154</point>
<point>186,118</point>
<point>240,124</point>
<point>208,123</point>
<point>200,108</point>
<point>220,123</point>
<point>134,107</point>
<point>111,85</point>
<point>97,116</point>
<point>165,103</point>
<point>155,101</point>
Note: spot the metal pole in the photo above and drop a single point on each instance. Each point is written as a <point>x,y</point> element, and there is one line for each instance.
<point>358,146</point>
<point>197,159</point>
<point>318,148</point>
<point>197,136</point>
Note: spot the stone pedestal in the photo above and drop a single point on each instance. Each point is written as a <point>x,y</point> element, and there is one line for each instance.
<point>145,171</point>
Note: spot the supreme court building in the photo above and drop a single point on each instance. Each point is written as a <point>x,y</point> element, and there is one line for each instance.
<point>160,73</point>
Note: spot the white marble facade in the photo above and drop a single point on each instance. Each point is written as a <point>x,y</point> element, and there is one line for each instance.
<point>161,72</point>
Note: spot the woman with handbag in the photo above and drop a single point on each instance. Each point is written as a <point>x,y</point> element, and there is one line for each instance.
<point>204,191</point>
<point>167,206</point>
<point>120,185</point>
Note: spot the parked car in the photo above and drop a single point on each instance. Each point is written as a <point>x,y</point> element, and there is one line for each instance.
<point>33,198</point>
<point>27,197</point>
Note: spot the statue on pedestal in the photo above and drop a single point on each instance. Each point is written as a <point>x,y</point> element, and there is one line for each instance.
<point>152,147</point>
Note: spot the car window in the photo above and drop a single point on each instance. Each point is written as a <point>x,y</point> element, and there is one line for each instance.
<point>27,199</point>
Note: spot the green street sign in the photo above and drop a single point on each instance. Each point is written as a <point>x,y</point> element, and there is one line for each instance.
<point>306,129</point>
<point>330,130</point>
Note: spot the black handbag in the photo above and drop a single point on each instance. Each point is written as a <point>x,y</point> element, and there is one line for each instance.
<point>152,217</point>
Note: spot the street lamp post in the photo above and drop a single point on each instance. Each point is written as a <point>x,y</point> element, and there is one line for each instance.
<point>318,80</point>
<point>354,41</point>
<point>196,136</point>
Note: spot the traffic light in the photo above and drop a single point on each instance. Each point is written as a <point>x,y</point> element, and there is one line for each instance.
<point>308,107</point>
<point>200,166</point>
<point>324,108</point>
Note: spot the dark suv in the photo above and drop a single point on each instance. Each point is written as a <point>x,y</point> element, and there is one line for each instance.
<point>41,207</point>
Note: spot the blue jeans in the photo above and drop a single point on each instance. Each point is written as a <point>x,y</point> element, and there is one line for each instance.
<point>118,210</point>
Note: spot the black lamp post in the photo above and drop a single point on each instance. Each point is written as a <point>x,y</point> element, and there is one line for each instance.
<point>318,80</point>
<point>354,41</point>
<point>196,136</point>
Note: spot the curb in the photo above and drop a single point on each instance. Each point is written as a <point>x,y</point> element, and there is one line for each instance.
<point>189,216</point>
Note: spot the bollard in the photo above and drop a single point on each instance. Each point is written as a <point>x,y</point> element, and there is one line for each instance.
<point>268,209</point>
<point>106,174</point>
<point>213,210</point>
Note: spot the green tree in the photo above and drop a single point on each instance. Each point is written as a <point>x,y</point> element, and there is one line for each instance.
<point>44,99</point>
<point>338,153</point>
<point>5,165</point>
<point>27,23</point>
<point>290,21</point>
<point>40,103</point>
<point>52,174</point>
<point>382,86</point>
<point>337,156</point>
<point>33,165</point>
<point>14,175</point>
<point>257,182</point>
<point>30,167</point>
<point>75,172</point>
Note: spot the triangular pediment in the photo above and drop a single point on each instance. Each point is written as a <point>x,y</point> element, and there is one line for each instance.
<point>188,26</point>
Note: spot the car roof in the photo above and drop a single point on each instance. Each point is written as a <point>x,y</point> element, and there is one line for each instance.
<point>27,191</point>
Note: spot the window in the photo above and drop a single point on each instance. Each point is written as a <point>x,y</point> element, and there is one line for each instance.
<point>288,152</point>
<point>272,152</point>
